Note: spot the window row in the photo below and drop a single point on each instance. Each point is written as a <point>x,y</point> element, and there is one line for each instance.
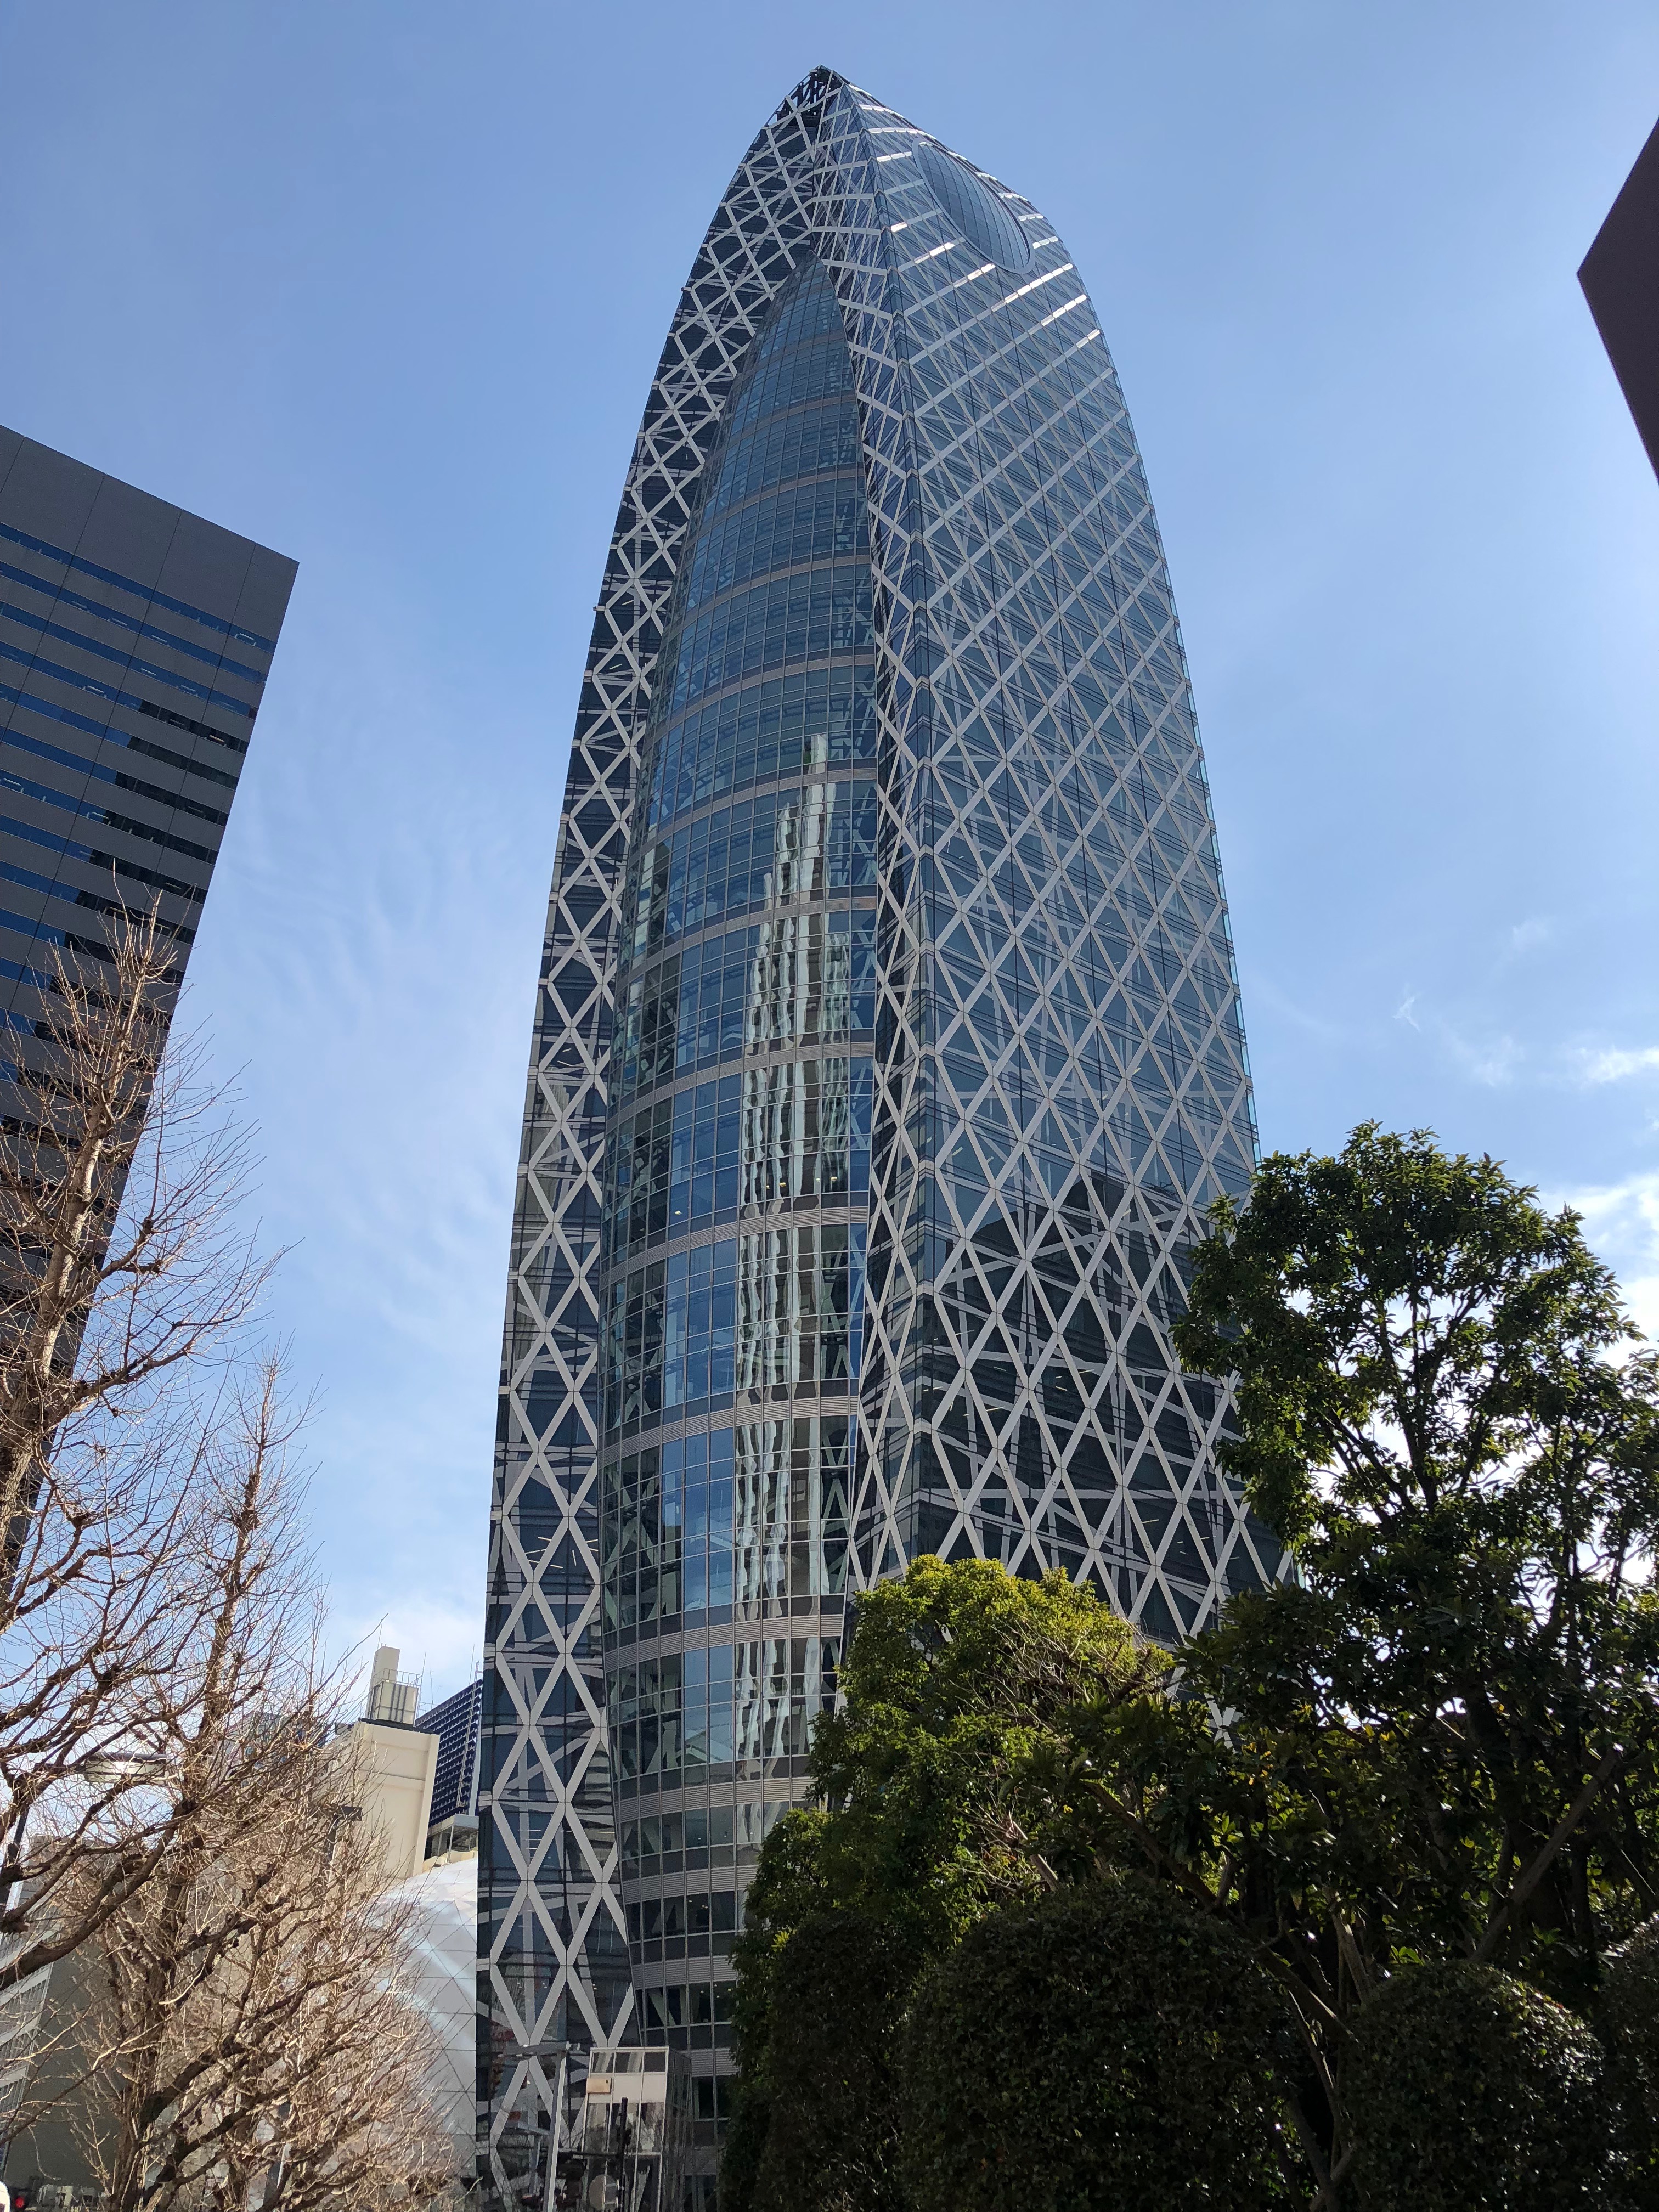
<point>663,1842</point>
<point>22,743</point>
<point>781,1307</point>
<point>806,616</point>
<point>794,1130</point>
<point>62,596</point>
<point>124,658</point>
<point>705,2005</point>
<point>824,718</point>
<point>695,1709</point>
<point>146,591</point>
<point>73,851</point>
<point>48,796</point>
<point>781,846</point>
<point>119,698</point>
<point>716,1912</point>
<point>745,1515</point>
<point>811,365</point>
<point>810,521</point>
<point>111,736</point>
<point>802,980</point>
<point>816,438</point>
<point>50,888</point>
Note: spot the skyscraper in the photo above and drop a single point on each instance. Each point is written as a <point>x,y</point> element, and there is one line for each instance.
<point>886,1058</point>
<point>135,642</point>
<point>452,1816</point>
<point>1620,279</point>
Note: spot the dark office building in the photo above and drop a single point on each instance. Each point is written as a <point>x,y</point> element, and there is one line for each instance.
<point>455,1779</point>
<point>886,1058</point>
<point>135,641</point>
<point>1620,277</point>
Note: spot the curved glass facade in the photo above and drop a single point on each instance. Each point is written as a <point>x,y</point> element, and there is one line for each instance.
<point>734,1207</point>
<point>887,1056</point>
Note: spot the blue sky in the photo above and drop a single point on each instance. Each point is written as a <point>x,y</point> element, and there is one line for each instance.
<point>382,283</point>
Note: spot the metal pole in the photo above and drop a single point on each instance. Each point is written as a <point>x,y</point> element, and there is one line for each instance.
<point>555,2125</point>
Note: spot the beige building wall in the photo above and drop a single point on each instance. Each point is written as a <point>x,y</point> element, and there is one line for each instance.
<point>392,1770</point>
<point>392,1767</point>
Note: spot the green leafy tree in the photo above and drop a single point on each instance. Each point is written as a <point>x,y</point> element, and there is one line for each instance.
<point>1435,1742</point>
<point>1109,2045</point>
<point>1626,2019</point>
<point>832,2133</point>
<point>955,1675</point>
<point>1438,1740</point>
<point>1471,2090</point>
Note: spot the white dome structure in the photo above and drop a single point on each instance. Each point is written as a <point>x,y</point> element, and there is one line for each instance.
<point>444,1940</point>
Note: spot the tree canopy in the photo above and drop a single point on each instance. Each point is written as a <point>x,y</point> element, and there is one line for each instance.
<point>1433,1744</point>
<point>1109,2044</point>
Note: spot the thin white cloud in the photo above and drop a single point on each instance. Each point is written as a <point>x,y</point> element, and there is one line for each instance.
<point>1489,1060</point>
<point>1614,1065</point>
<point>1405,1011</point>
<point>1537,929</point>
<point>1621,1221</point>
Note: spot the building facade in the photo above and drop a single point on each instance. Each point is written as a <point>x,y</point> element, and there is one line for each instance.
<point>452,1820</point>
<point>886,1059</point>
<point>1620,279</point>
<point>135,642</point>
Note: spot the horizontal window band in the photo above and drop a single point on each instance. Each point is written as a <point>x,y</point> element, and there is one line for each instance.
<point>783,851</point>
<point>140,590</point>
<point>224,700</point>
<point>790,621</point>
<point>100,690</point>
<point>757,732</point>
<point>73,851</point>
<point>108,734</point>
<point>48,796</point>
<point>789,527</point>
<point>808,438</point>
<point>61,595</point>
<point>135,784</point>
<point>43,932</point>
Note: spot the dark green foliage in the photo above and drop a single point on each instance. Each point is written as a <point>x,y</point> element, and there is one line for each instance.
<point>839,1987</point>
<point>954,1672</point>
<point>1469,2090</point>
<point>1108,2046</point>
<point>785,1892</point>
<point>1429,1408</point>
<point>745,2145</point>
<point>1627,2021</point>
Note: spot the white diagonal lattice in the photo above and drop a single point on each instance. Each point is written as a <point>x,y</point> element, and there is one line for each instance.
<point>1061,1084</point>
<point>552,1942</point>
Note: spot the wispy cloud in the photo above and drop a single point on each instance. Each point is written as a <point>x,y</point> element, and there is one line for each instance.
<point>1493,1061</point>
<point>1613,1065</point>
<point>1406,1010</point>
<point>1537,929</point>
<point>1621,1221</point>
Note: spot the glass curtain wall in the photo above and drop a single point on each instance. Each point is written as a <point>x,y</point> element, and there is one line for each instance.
<point>887,943</point>
<point>737,1165</point>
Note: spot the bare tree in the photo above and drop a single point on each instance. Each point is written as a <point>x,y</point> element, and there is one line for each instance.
<point>174,1813</point>
<point>123,1288</point>
<point>247,2036</point>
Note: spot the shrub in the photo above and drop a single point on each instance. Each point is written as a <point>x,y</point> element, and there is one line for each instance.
<point>818,2133</point>
<point>1468,2089</point>
<point>1107,2045</point>
<point>1628,2021</point>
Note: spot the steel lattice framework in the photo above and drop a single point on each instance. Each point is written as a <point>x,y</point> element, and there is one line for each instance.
<point>1060,1080</point>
